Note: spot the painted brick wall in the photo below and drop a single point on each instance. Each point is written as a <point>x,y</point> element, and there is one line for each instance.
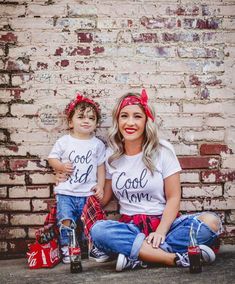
<point>182,52</point>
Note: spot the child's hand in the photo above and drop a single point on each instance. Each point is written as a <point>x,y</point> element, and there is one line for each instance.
<point>99,192</point>
<point>67,168</point>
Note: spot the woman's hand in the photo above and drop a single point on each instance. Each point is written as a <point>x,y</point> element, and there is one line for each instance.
<point>67,168</point>
<point>156,238</point>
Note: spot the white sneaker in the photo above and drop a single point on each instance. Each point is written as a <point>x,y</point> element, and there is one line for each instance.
<point>207,256</point>
<point>65,254</point>
<point>124,262</point>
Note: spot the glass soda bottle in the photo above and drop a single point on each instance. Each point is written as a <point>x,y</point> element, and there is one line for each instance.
<point>75,253</point>
<point>194,253</point>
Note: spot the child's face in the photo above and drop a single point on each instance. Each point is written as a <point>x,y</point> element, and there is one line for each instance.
<point>83,123</point>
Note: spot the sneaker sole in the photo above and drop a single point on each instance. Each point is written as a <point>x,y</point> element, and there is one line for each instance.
<point>208,254</point>
<point>100,260</point>
<point>120,262</point>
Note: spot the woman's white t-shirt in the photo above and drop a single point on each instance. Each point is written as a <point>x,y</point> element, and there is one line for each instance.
<point>137,191</point>
<point>86,156</point>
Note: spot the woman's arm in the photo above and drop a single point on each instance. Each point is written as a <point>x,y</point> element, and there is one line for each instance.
<point>99,187</point>
<point>173,196</point>
<point>108,192</point>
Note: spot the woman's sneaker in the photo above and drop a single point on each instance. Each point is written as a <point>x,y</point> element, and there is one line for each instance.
<point>207,256</point>
<point>98,255</point>
<point>65,254</point>
<point>124,262</point>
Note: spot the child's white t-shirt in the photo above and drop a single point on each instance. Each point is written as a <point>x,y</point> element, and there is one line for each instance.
<point>86,156</point>
<point>137,191</point>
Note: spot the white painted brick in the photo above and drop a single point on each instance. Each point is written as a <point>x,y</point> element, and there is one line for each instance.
<point>30,23</point>
<point>12,178</point>
<point>23,109</point>
<point>15,205</point>
<point>230,218</point>
<point>190,177</point>
<point>209,135</point>
<point>42,178</point>
<point>4,219</point>
<point>39,205</point>
<point>81,10</point>
<point>12,10</point>
<point>13,150</point>
<point>219,204</point>
<point>186,150</point>
<point>178,66</point>
<point>228,161</point>
<point>4,79</point>
<point>190,205</point>
<point>3,109</point>
<point>29,191</point>
<point>28,219</point>
<point>183,121</point>
<point>3,192</point>
<point>202,191</point>
<point>46,11</point>
<point>229,189</point>
<point>3,247</point>
<point>14,233</point>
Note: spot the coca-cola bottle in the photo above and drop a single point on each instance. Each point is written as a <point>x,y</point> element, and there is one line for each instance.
<point>194,253</point>
<point>75,253</point>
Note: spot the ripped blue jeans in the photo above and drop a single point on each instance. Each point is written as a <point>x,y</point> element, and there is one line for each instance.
<point>114,237</point>
<point>68,208</point>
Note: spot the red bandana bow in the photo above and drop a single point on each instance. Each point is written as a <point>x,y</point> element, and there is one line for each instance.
<point>143,100</point>
<point>78,100</point>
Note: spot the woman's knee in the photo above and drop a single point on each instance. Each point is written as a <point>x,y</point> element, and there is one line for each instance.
<point>211,220</point>
<point>97,230</point>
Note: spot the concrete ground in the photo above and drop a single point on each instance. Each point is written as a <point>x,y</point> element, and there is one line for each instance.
<point>221,271</point>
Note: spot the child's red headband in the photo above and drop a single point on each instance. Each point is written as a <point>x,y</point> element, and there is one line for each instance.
<point>78,100</point>
<point>142,100</point>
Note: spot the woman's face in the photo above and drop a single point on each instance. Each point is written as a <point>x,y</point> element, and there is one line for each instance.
<point>131,123</point>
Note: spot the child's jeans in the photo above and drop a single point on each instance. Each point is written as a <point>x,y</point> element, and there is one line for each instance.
<point>68,208</point>
<point>114,237</point>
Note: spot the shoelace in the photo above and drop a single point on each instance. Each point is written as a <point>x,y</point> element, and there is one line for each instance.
<point>97,251</point>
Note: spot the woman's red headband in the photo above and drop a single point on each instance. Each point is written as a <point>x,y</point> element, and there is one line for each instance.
<point>133,100</point>
<point>78,100</point>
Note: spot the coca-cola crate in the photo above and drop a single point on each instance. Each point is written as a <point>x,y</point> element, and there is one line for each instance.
<point>43,255</point>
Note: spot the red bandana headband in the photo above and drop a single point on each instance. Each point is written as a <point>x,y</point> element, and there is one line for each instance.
<point>78,100</point>
<point>132,100</point>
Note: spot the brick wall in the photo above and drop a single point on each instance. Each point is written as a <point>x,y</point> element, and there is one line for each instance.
<point>182,52</point>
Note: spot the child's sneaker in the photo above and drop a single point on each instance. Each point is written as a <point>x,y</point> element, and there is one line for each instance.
<point>207,255</point>
<point>65,254</point>
<point>124,262</point>
<point>98,255</point>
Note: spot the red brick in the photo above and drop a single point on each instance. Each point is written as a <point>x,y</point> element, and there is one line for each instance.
<point>145,37</point>
<point>198,162</point>
<point>214,149</point>
<point>85,37</point>
<point>217,176</point>
<point>98,49</point>
<point>202,24</point>
<point>8,37</point>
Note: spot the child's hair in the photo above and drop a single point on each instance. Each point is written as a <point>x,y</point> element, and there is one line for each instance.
<point>150,142</point>
<point>82,103</point>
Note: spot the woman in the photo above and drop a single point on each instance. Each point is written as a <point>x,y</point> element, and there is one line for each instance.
<point>144,175</point>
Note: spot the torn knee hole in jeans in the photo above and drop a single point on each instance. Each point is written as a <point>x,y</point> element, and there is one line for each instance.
<point>212,221</point>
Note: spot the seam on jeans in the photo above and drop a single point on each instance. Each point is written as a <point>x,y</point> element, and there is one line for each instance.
<point>136,246</point>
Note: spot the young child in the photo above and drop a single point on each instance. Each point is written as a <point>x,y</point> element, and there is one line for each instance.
<point>80,156</point>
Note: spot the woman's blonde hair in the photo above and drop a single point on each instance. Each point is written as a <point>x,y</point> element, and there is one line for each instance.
<point>150,142</point>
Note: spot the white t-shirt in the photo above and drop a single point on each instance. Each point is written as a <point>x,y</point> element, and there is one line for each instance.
<point>137,191</point>
<point>85,155</point>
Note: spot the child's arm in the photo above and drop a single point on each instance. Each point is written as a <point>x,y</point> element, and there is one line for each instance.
<point>99,188</point>
<point>58,166</point>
